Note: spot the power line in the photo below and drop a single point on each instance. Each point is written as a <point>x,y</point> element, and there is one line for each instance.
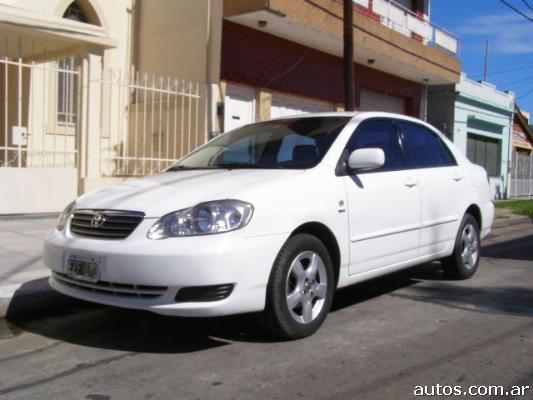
<point>517,92</point>
<point>525,94</point>
<point>527,4</point>
<point>523,79</point>
<point>506,63</point>
<point>517,10</point>
<point>502,71</point>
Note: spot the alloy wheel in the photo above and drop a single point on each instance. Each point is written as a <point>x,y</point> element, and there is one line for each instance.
<point>469,246</point>
<point>306,287</point>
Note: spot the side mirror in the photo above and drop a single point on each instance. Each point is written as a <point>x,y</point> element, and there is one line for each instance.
<point>366,159</point>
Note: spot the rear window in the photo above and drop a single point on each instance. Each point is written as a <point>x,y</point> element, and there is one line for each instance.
<point>424,148</point>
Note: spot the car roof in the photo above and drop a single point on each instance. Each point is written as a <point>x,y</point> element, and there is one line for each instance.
<point>361,114</point>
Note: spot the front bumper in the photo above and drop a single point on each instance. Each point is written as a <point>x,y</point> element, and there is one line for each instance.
<point>171,264</point>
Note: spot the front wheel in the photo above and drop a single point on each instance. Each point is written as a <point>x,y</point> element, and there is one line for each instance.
<point>463,263</point>
<point>300,288</point>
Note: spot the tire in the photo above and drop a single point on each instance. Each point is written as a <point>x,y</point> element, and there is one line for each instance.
<point>300,289</point>
<point>463,262</point>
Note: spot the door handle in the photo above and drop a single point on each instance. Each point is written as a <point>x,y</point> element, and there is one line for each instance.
<point>410,182</point>
<point>457,176</point>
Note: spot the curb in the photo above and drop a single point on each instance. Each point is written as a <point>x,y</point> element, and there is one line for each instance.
<point>512,220</point>
<point>32,297</point>
<point>28,217</point>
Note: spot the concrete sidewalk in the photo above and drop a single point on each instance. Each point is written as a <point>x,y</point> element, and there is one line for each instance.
<point>504,217</point>
<point>24,287</point>
<point>23,277</point>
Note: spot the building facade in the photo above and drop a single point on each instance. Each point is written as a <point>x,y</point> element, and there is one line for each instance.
<point>281,57</point>
<point>522,155</point>
<point>97,91</point>
<point>76,111</point>
<point>477,117</point>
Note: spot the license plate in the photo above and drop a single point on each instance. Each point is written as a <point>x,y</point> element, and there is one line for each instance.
<point>82,268</point>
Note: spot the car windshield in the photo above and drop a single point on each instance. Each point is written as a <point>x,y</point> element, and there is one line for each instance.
<point>295,143</point>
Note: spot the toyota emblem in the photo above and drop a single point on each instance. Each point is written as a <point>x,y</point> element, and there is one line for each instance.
<point>97,221</point>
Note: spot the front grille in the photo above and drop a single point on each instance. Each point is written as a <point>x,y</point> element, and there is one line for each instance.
<point>204,293</point>
<point>113,289</point>
<point>103,224</point>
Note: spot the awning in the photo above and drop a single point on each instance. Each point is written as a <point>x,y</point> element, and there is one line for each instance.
<point>29,35</point>
<point>522,145</point>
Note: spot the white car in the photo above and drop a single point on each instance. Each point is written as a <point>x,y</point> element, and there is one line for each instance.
<point>274,216</point>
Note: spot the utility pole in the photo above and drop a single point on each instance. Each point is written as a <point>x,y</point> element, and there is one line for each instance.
<point>349,86</point>
<point>486,69</point>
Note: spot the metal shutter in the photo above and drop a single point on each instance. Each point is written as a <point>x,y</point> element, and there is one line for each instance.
<point>377,101</point>
<point>283,105</point>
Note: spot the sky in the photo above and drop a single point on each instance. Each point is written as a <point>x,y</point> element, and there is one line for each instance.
<point>510,38</point>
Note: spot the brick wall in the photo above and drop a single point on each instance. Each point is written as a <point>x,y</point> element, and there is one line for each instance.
<point>262,60</point>
<point>367,12</point>
<point>364,10</point>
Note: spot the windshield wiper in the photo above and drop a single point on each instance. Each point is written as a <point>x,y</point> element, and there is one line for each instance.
<point>233,165</point>
<point>246,166</point>
<point>185,168</point>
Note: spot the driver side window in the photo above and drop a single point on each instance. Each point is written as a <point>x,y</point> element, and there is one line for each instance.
<point>379,134</point>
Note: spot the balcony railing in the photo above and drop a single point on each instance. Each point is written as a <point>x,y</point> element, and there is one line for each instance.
<point>404,21</point>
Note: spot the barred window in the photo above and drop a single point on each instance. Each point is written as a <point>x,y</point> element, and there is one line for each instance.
<point>67,81</point>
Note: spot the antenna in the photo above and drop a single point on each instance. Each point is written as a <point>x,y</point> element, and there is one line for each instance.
<point>486,69</point>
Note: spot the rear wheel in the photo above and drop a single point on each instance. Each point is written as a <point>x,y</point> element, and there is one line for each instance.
<point>463,263</point>
<point>300,288</point>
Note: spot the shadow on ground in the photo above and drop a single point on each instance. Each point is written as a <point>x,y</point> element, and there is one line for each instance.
<point>516,249</point>
<point>136,331</point>
<point>37,299</point>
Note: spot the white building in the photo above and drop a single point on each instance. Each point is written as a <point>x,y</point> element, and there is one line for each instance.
<point>76,114</point>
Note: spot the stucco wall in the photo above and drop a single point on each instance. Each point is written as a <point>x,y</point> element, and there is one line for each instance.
<point>179,38</point>
<point>114,16</point>
<point>477,108</point>
<point>480,101</point>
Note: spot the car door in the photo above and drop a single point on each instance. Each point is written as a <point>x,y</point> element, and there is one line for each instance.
<point>443,187</point>
<point>383,204</point>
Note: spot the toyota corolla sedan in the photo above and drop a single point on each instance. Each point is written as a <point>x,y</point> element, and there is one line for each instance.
<point>273,217</point>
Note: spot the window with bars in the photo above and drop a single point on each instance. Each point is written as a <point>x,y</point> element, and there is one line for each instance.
<point>67,81</point>
<point>486,152</point>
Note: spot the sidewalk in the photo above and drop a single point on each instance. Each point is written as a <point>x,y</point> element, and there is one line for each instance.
<point>504,217</point>
<point>23,277</point>
<point>24,285</point>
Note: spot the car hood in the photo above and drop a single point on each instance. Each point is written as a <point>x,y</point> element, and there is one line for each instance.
<point>160,194</point>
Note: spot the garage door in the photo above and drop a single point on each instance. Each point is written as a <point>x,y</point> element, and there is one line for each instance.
<point>239,106</point>
<point>372,100</point>
<point>283,105</point>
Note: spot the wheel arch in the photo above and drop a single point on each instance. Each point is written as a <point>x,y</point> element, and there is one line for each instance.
<point>328,238</point>
<point>475,212</point>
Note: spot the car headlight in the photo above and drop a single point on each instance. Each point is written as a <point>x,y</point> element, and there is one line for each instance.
<point>64,216</point>
<point>203,219</point>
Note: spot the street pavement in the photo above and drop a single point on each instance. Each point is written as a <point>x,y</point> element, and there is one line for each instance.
<point>382,339</point>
